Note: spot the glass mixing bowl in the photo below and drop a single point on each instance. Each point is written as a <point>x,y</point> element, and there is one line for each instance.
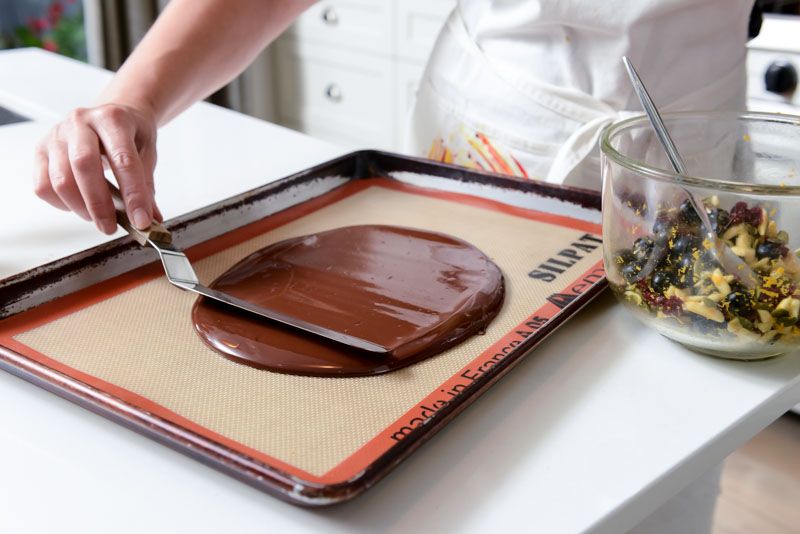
<point>744,167</point>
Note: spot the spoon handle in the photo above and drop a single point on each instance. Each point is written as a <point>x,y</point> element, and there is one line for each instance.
<point>652,112</point>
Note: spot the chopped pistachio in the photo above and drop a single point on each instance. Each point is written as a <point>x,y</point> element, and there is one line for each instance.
<point>744,241</point>
<point>772,229</point>
<point>770,336</point>
<point>762,226</point>
<point>720,282</point>
<point>734,231</point>
<point>790,305</point>
<point>708,312</point>
<point>764,316</point>
<point>746,253</point>
<point>634,297</point>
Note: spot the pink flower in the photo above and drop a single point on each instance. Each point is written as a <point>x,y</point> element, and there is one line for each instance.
<point>49,44</point>
<point>38,25</point>
<point>54,12</point>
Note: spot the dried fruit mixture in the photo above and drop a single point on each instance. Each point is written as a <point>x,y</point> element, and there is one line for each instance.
<point>673,273</point>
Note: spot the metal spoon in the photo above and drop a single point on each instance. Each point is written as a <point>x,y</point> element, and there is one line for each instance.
<point>729,261</point>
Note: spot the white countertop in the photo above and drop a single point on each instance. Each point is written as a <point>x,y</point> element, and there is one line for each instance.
<point>599,427</point>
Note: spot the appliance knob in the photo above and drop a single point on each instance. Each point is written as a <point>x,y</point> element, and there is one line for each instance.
<point>781,77</point>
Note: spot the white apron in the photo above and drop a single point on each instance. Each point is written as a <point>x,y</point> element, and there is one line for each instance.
<point>524,87</point>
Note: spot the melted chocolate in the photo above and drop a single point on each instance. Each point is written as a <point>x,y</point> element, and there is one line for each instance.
<point>415,292</point>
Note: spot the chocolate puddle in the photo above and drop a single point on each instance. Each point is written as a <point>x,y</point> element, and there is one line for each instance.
<point>414,291</point>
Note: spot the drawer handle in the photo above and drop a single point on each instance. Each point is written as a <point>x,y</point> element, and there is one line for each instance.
<point>334,93</point>
<point>330,17</point>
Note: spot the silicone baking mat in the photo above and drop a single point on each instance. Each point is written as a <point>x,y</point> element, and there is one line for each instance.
<point>132,339</point>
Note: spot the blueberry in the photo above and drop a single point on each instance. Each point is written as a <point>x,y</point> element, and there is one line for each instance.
<point>686,262</point>
<point>687,214</point>
<point>662,222</point>
<point>684,280</point>
<point>642,248</point>
<point>661,280</point>
<point>624,256</point>
<point>635,201</point>
<point>663,231</point>
<point>683,244</point>
<point>630,271</point>
<point>684,275</point>
<point>719,220</point>
<point>739,303</point>
<point>737,287</point>
<point>771,249</point>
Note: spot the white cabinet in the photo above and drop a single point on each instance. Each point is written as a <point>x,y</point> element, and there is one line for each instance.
<point>347,70</point>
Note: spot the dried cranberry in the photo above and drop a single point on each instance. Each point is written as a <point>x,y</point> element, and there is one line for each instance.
<point>754,216</point>
<point>672,306</point>
<point>738,303</point>
<point>667,305</point>
<point>740,213</point>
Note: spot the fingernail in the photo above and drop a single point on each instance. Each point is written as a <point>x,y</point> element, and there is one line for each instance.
<point>140,218</point>
<point>107,226</point>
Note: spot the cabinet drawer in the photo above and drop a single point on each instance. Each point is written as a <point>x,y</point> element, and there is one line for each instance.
<point>417,25</point>
<point>314,81</point>
<point>361,24</point>
<point>344,133</point>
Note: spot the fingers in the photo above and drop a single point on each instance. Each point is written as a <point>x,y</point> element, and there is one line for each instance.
<point>69,165</point>
<point>149,160</point>
<point>62,180</point>
<point>41,179</point>
<point>117,133</point>
<point>84,157</point>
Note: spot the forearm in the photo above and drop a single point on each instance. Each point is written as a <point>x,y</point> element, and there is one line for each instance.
<point>194,48</point>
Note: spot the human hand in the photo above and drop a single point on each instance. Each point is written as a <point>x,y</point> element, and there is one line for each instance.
<point>70,159</point>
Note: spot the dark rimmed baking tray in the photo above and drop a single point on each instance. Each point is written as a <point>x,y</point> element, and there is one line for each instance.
<point>48,282</point>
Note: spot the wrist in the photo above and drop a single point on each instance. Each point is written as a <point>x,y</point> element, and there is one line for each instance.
<point>139,103</point>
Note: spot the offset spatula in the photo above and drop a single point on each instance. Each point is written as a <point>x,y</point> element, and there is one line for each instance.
<point>181,274</point>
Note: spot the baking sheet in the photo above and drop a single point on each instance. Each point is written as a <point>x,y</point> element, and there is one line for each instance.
<point>327,438</point>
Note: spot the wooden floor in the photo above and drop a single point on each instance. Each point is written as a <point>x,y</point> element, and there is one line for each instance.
<point>761,483</point>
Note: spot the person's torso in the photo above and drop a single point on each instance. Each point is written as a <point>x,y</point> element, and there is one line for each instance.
<point>572,43</point>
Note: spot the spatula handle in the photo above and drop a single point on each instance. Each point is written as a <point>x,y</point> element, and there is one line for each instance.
<point>155,231</point>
